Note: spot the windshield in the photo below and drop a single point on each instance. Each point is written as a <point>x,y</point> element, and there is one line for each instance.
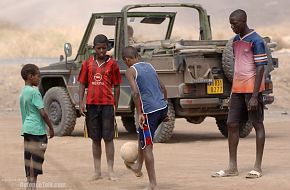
<point>186,24</point>
<point>147,29</point>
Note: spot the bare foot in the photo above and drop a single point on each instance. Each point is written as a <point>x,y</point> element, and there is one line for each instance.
<point>113,177</point>
<point>134,168</point>
<point>96,177</point>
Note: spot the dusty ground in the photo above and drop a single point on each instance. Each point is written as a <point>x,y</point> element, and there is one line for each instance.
<point>186,162</point>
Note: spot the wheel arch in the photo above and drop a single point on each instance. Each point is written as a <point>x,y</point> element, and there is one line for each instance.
<point>49,81</point>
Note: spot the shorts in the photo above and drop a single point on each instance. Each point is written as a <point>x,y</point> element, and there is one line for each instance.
<point>34,149</point>
<point>238,111</point>
<point>100,122</point>
<point>152,121</point>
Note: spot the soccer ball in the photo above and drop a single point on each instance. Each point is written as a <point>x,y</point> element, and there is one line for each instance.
<point>129,151</point>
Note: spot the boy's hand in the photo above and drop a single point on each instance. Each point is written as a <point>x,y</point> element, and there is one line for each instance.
<point>51,133</point>
<point>82,109</point>
<point>141,120</point>
<point>253,104</point>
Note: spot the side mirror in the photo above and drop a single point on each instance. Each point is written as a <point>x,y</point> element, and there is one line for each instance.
<point>67,49</point>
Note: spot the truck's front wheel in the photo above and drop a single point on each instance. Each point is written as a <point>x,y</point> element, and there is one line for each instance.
<point>165,129</point>
<point>60,110</point>
<point>245,129</point>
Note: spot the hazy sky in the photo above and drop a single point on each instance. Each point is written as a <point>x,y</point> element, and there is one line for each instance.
<point>31,13</point>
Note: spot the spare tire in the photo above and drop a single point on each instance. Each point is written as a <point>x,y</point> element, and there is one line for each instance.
<point>228,60</point>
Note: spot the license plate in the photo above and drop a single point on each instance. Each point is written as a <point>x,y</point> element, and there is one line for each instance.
<point>217,87</point>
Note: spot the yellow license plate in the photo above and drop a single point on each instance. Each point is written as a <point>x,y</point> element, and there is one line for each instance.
<point>217,87</point>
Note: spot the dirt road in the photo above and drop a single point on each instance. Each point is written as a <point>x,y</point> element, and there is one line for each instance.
<point>193,154</point>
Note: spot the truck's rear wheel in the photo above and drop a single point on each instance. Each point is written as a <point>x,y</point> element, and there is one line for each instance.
<point>165,129</point>
<point>129,123</point>
<point>245,129</point>
<point>60,110</point>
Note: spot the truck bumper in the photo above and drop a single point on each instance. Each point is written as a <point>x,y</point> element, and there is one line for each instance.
<point>204,103</point>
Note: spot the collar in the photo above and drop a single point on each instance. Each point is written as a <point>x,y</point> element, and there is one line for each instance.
<point>246,35</point>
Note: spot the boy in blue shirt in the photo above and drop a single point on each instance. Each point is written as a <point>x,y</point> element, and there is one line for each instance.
<point>149,95</point>
<point>33,128</point>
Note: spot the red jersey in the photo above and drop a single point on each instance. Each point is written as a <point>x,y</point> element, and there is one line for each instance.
<point>100,78</point>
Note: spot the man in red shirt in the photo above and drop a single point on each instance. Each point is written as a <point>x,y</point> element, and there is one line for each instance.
<point>100,73</point>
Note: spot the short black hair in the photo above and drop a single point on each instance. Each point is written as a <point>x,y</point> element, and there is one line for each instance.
<point>29,69</point>
<point>100,38</point>
<point>239,12</point>
<point>129,52</point>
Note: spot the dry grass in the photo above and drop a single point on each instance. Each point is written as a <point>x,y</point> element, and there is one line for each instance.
<point>16,42</point>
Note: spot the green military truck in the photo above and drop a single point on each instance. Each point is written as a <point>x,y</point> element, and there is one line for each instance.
<point>196,70</point>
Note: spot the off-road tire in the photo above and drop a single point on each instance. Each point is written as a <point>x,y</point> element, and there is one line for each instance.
<point>165,129</point>
<point>129,123</point>
<point>60,110</point>
<point>244,129</point>
<point>228,60</point>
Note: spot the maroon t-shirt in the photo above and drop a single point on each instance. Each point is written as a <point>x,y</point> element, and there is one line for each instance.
<point>100,78</point>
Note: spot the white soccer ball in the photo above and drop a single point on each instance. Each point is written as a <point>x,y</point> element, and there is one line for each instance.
<point>129,151</point>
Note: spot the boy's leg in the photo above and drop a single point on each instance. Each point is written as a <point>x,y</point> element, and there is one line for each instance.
<point>108,132</point>
<point>137,166</point>
<point>149,163</point>
<point>110,153</point>
<point>27,158</point>
<point>260,142</point>
<point>97,153</point>
<point>257,118</point>
<point>93,122</point>
<point>237,112</point>
<point>233,141</point>
<point>140,158</point>
<point>33,176</point>
<point>152,120</point>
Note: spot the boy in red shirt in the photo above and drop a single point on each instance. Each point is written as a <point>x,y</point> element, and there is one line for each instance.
<point>100,73</point>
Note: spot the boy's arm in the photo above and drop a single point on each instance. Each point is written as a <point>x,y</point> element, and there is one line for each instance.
<point>163,88</point>
<point>165,97</point>
<point>81,95</point>
<point>47,121</point>
<point>130,75</point>
<point>116,95</point>
<point>253,103</point>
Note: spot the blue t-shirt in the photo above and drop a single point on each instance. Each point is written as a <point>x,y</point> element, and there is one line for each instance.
<point>152,98</point>
<point>30,104</point>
